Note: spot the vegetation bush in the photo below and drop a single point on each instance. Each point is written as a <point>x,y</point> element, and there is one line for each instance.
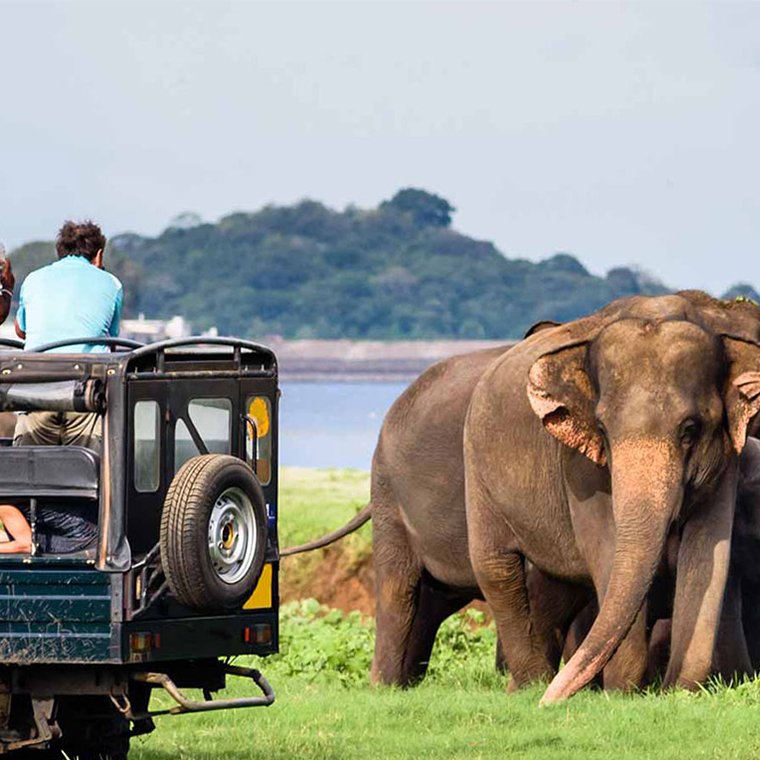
<point>322,645</point>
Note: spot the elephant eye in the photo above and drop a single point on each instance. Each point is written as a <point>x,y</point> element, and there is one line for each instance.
<point>689,432</point>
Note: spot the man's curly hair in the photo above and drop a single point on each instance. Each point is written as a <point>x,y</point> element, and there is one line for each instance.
<point>80,239</point>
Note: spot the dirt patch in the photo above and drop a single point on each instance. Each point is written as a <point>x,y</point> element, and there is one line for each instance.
<point>335,579</point>
<point>332,578</point>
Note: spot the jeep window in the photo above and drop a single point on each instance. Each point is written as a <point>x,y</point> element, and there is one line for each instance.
<point>258,444</point>
<point>212,419</point>
<point>147,442</point>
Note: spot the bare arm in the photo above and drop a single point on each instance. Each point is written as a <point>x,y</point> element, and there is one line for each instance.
<point>18,528</point>
<point>7,281</point>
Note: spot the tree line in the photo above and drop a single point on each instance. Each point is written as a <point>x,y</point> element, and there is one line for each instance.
<point>308,271</point>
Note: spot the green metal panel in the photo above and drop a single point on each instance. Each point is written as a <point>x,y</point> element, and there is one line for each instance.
<point>49,614</point>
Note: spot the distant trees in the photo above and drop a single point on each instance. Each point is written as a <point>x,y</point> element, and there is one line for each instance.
<point>396,271</point>
<point>425,208</point>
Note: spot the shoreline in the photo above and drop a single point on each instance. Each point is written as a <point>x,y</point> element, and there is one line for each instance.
<point>352,361</point>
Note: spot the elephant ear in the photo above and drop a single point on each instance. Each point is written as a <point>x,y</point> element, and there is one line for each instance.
<point>742,392</point>
<point>562,395</point>
<point>544,324</point>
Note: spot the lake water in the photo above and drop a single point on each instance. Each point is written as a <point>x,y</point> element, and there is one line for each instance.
<point>333,424</point>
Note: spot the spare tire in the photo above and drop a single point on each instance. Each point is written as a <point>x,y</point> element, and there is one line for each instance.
<point>213,533</point>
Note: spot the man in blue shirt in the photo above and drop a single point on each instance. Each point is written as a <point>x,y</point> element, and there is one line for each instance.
<point>73,297</point>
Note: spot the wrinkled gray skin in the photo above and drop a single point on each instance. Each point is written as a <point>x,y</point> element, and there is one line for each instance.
<point>421,558</point>
<point>737,650</point>
<point>586,447</point>
<point>422,568</point>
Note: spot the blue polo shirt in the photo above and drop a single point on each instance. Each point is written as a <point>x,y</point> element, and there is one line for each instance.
<point>69,298</point>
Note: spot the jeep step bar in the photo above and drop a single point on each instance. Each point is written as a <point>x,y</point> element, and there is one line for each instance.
<point>185,705</point>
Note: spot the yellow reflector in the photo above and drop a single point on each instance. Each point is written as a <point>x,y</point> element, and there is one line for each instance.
<point>258,411</point>
<point>261,598</point>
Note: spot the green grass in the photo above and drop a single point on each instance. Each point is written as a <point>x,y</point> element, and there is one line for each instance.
<point>315,502</point>
<point>437,721</point>
<point>326,709</point>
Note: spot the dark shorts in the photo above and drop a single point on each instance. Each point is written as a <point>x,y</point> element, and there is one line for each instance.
<point>66,528</point>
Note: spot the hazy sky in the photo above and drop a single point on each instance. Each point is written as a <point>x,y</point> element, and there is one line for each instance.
<point>623,133</point>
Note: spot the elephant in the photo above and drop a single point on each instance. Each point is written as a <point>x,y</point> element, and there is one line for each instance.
<point>737,650</point>
<point>422,568</point>
<point>586,448</point>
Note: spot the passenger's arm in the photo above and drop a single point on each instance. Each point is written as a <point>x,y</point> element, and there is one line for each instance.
<point>18,529</point>
<point>7,281</point>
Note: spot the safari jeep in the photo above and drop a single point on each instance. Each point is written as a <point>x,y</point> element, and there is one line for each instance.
<point>181,572</point>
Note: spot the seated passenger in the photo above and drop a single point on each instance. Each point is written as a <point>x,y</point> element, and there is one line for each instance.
<point>7,281</point>
<point>62,529</point>
<point>72,298</point>
<point>15,535</point>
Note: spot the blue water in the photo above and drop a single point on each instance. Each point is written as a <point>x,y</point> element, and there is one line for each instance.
<point>333,424</point>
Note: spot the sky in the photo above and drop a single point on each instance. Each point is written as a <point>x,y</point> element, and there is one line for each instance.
<point>624,133</point>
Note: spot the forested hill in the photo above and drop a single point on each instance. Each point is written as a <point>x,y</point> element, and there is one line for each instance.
<point>397,271</point>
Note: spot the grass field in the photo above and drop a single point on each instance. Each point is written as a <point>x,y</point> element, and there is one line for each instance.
<point>313,502</point>
<point>326,709</point>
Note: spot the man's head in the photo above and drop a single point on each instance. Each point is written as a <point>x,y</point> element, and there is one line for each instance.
<point>81,239</point>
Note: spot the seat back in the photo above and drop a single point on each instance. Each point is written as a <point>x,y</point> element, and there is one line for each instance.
<point>48,471</point>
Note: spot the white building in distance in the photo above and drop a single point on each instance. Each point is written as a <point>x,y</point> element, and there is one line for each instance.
<point>152,330</point>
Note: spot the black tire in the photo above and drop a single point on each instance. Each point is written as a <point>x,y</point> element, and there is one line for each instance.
<point>104,738</point>
<point>196,578</point>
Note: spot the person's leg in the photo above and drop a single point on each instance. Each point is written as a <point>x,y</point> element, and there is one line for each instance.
<point>18,533</point>
<point>83,429</point>
<point>38,429</point>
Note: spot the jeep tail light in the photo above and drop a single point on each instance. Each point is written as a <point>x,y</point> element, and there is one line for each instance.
<point>261,633</point>
<point>140,643</point>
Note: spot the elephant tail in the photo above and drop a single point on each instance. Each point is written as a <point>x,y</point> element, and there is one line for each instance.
<point>354,524</point>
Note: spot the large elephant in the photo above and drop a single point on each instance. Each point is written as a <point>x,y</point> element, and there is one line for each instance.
<point>422,566</point>
<point>590,444</point>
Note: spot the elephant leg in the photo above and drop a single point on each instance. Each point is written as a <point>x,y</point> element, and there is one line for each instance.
<point>433,606</point>
<point>554,605</point>
<point>578,630</point>
<point>527,657</point>
<point>732,660</point>
<point>751,621</point>
<point>501,660</point>
<point>703,561</point>
<point>659,649</point>
<point>398,576</point>
<point>500,571</point>
<point>627,668</point>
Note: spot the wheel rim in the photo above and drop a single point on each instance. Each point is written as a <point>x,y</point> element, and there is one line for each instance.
<point>232,534</point>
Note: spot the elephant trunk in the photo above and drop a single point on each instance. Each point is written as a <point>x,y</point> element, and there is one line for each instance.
<point>646,494</point>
